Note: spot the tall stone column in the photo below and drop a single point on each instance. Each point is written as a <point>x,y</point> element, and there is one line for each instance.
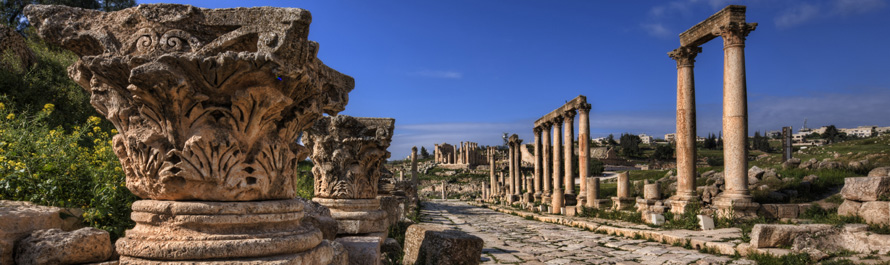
<point>583,149</point>
<point>510,168</point>
<point>735,122</point>
<point>436,153</point>
<point>557,196</point>
<point>491,166</point>
<point>517,159</point>
<point>569,154</point>
<point>414,177</point>
<point>538,146</point>
<point>685,135</point>
<point>208,104</point>
<point>545,160</point>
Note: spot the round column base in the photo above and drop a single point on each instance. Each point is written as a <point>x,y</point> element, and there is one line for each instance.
<point>202,232</point>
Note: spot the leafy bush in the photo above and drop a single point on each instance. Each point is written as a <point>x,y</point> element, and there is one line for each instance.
<point>76,169</point>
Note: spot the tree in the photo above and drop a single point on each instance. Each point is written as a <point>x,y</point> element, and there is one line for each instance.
<point>663,152</point>
<point>611,140</point>
<point>630,145</point>
<point>424,154</point>
<point>831,134</point>
<point>760,142</point>
<point>710,142</point>
<point>11,10</point>
<point>506,138</point>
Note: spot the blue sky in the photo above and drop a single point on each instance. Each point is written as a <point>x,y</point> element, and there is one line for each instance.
<point>469,70</point>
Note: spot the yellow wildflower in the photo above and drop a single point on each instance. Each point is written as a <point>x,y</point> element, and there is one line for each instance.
<point>11,116</point>
<point>94,120</point>
<point>49,107</point>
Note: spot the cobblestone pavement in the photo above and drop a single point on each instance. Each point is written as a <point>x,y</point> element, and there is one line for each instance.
<point>514,240</point>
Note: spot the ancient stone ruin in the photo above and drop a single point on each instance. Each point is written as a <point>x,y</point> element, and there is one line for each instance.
<point>209,104</point>
<point>465,156</point>
<point>728,23</point>
<point>349,153</point>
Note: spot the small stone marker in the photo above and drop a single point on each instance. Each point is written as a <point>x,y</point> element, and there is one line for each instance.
<point>656,219</point>
<point>705,222</point>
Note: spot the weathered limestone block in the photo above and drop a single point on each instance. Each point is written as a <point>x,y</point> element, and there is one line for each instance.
<point>348,153</point>
<point>54,246</point>
<point>791,163</point>
<point>849,208</point>
<point>363,250</point>
<point>652,191</point>
<point>779,211</point>
<point>208,103</point>
<point>880,172</point>
<point>436,244</point>
<point>754,175</point>
<point>320,217</point>
<point>19,218</point>
<point>777,236</point>
<point>394,206</point>
<point>877,212</point>
<point>866,188</point>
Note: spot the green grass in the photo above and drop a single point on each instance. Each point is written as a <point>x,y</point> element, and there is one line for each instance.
<point>633,217</point>
<point>790,259</point>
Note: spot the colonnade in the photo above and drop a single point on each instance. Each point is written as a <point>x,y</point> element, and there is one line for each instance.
<point>729,24</point>
<point>467,153</point>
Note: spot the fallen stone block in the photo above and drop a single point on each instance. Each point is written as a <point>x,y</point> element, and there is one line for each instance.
<point>437,244</point>
<point>866,189</point>
<point>875,212</point>
<point>54,246</point>
<point>19,218</point>
<point>880,172</point>
<point>363,250</point>
<point>777,236</point>
<point>849,208</point>
<point>705,222</point>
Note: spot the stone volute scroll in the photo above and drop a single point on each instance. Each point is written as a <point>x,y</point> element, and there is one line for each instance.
<point>349,153</point>
<point>209,104</point>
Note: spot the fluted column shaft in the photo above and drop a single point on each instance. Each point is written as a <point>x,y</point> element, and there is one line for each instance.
<point>512,173</point>
<point>557,197</point>
<point>538,146</point>
<point>520,180</point>
<point>545,160</point>
<point>568,149</point>
<point>686,134</point>
<point>735,109</point>
<point>491,165</point>
<point>584,147</point>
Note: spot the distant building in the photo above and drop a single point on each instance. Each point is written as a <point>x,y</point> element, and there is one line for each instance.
<point>883,130</point>
<point>861,131</point>
<point>646,139</point>
<point>671,137</point>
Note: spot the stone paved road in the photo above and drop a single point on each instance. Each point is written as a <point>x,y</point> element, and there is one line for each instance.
<point>514,240</point>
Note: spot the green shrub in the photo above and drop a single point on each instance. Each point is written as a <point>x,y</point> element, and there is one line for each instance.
<point>76,169</point>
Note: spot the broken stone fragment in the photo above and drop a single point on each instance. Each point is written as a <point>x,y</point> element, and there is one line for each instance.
<point>54,246</point>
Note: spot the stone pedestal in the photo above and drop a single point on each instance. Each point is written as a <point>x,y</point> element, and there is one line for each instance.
<point>363,250</point>
<point>268,232</point>
<point>208,104</point>
<point>623,203</point>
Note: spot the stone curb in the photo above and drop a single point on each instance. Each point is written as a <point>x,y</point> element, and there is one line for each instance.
<point>673,237</point>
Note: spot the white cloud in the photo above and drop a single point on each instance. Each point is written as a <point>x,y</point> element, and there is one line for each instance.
<point>427,135</point>
<point>656,30</point>
<point>439,74</point>
<point>797,15</point>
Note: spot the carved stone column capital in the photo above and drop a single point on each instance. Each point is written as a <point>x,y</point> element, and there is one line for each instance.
<point>734,33</point>
<point>585,108</point>
<point>685,56</point>
<point>209,104</point>
<point>537,130</point>
<point>570,115</point>
<point>557,121</point>
<point>349,153</point>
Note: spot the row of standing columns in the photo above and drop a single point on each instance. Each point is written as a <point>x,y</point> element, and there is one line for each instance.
<point>467,153</point>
